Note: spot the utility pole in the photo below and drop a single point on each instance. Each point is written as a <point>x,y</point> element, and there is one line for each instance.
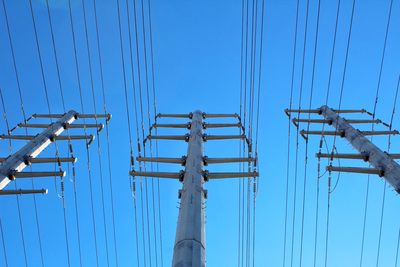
<point>190,246</point>
<point>383,163</point>
<point>12,167</point>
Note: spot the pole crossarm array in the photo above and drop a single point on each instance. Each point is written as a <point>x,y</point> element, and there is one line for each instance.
<point>189,247</point>
<point>12,167</point>
<point>383,163</point>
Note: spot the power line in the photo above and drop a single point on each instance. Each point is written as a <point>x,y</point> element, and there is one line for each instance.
<point>151,146</point>
<point>69,141</point>
<point>309,115</point>
<point>306,151</point>
<point>133,183</point>
<point>321,143</point>
<point>142,126</point>
<point>257,122</point>
<point>8,129</point>
<point>340,104</point>
<point>15,184</point>
<point>97,132</point>
<point>107,132</point>
<point>3,243</point>
<point>79,85</point>
<point>373,126</point>
<point>397,249</point>
<point>297,142</point>
<point>289,135</point>
<point>85,132</point>
<point>155,115</point>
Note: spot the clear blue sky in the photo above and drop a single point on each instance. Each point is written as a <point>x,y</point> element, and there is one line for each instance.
<point>197,48</point>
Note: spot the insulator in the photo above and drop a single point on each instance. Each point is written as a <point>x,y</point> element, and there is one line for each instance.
<point>70,148</point>
<point>62,188</point>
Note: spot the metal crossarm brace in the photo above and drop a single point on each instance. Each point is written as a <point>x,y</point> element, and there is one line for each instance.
<point>363,156</point>
<point>161,115</point>
<point>318,111</point>
<point>77,116</point>
<point>296,121</point>
<point>208,160</point>
<point>181,160</point>
<point>222,175</point>
<point>45,160</point>
<point>214,115</point>
<point>379,172</point>
<point>342,133</point>
<point>16,162</point>
<point>168,137</point>
<point>66,126</point>
<point>54,137</point>
<point>221,125</point>
<point>171,175</point>
<point>23,192</point>
<point>377,158</point>
<point>171,125</point>
<point>36,174</point>
<point>222,137</point>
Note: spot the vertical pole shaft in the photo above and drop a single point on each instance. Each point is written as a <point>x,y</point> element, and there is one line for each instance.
<point>189,249</point>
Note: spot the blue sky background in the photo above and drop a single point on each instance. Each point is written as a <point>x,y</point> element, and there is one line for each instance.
<point>197,47</point>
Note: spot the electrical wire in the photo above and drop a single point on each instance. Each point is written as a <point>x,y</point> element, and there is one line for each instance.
<point>142,127</point>
<point>340,104</point>
<point>289,135</point>
<point>321,143</point>
<point>85,132</point>
<point>151,143</point>
<point>24,116</point>
<point>70,146</point>
<point>107,132</point>
<point>373,117</point>
<point>155,116</point>
<point>306,150</point>
<point>3,244</point>
<point>240,181</point>
<point>15,183</point>
<point>309,114</point>
<point>70,149</point>
<point>129,123</point>
<point>397,249</point>
<point>257,124</point>
<point>385,183</point>
<point>97,132</point>
<point>297,140</point>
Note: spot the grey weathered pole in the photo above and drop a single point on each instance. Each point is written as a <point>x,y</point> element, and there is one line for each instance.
<point>18,161</point>
<point>12,167</point>
<point>388,168</point>
<point>189,249</point>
